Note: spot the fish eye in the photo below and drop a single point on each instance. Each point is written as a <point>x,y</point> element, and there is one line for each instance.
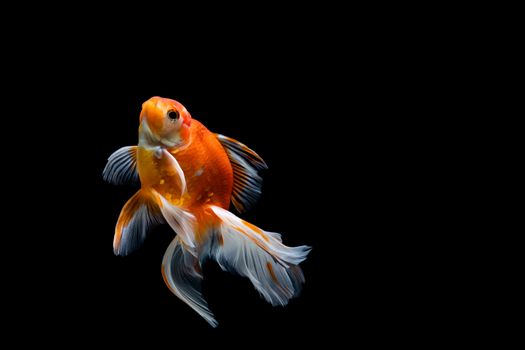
<point>173,115</point>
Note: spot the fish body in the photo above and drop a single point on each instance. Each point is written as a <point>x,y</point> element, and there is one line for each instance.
<point>188,177</point>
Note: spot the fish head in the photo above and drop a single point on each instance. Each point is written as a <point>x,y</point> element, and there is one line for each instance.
<point>164,122</point>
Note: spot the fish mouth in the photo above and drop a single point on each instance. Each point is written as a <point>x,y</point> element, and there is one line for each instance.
<point>147,137</point>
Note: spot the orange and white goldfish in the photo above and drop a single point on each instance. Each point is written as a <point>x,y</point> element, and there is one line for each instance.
<point>188,176</point>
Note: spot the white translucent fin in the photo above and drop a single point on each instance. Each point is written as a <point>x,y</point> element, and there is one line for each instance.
<point>181,272</point>
<point>137,217</point>
<point>181,221</point>
<point>121,167</point>
<point>246,180</point>
<point>174,164</point>
<point>259,255</point>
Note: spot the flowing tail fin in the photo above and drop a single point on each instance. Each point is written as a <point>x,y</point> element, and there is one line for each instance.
<point>259,255</point>
<point>239,247</point>
<point>182,274</point>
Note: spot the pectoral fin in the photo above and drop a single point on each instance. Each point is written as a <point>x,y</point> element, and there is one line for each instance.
<point>246,180</point>
<point>121,167</point>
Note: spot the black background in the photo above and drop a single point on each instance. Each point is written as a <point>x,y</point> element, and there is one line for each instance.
<point>269,123</point>
<point>285,116</point>
<point>327,113</point>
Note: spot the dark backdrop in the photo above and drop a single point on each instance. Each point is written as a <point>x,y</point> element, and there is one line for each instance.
<point>287,117</point>
<point>327,124</point>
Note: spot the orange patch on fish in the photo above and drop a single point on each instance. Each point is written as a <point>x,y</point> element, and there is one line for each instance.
<point>240,229</point>
<point>272,273</point>
<point>257,230</point>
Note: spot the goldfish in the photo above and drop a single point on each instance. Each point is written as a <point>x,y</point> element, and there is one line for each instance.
<point>188,177</point>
